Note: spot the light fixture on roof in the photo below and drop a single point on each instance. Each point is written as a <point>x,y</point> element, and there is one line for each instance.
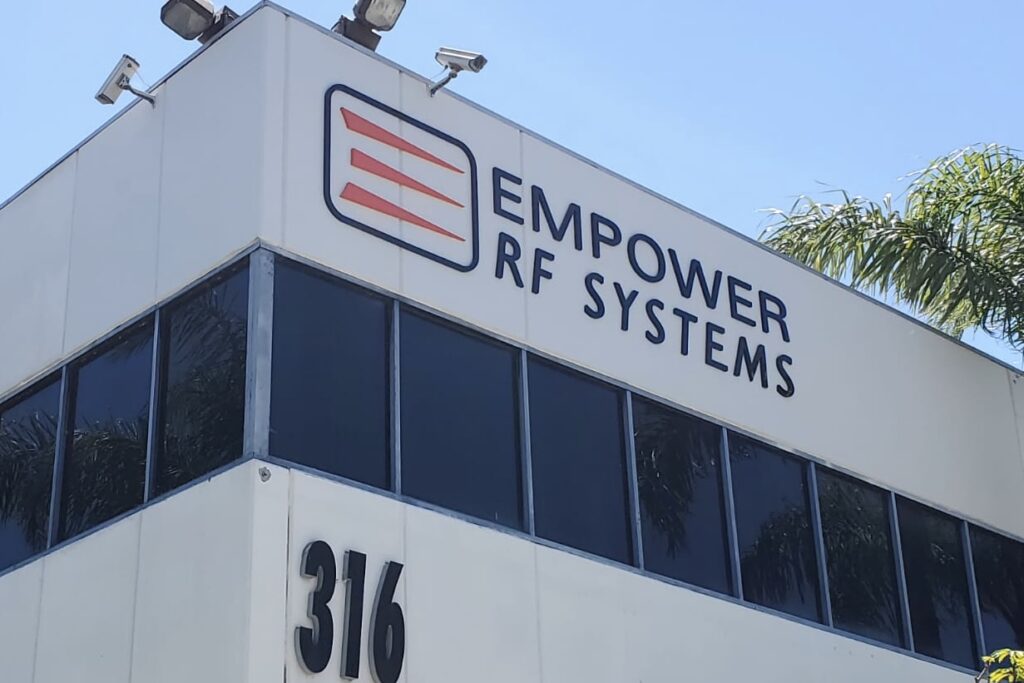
<point>456,61</point>
<point>120,80</point>
<point>193,19</point>
<point>371,16</point>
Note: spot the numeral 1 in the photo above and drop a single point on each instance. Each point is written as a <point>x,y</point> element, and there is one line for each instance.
<point>353,573</point>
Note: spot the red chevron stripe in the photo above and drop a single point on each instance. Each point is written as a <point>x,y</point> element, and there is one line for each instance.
<point>358,124</point>
<point>365,162</point>
<point>362,197</point>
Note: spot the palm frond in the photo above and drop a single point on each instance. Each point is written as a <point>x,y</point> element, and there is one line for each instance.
<point>954,252</point>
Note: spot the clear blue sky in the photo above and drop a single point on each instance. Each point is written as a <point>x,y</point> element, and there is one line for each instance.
<point>731,107</point>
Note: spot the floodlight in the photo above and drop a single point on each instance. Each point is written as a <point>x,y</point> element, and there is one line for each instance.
<point>371,16</point>
<point>456,61</point>
<point>188,18</point>
<point>193,19</point>
<point>381,15</point>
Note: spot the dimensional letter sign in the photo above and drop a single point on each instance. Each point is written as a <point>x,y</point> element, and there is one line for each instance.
<point>399,179</point>
<point>406,182</point>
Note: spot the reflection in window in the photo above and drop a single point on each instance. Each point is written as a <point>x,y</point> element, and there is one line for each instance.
<point>940,613</point>
<point>28,434</point>
<point>773,523</point>
<point>860,558</point>
<point>105,463</point>
<point>460,424</point>
<point>330,389</point>
<point>999,570</point>
<point>579,464</point>
<point>678,463</point>
<point>203,399</point>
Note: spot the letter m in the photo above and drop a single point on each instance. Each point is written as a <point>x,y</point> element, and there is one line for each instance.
<point>572,216</point>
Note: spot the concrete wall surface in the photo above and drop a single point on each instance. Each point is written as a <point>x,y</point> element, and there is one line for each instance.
<point>170,593</point>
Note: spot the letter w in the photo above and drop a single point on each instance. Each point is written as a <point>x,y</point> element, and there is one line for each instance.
<point>696,272</point>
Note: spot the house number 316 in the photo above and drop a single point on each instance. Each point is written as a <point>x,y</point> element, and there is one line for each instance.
<point>315,643</point>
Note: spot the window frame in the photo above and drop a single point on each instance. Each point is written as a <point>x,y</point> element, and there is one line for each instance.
<point>524,519</point>
<point>69,418</point>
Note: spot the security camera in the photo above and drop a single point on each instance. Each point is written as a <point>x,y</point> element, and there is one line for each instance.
<point>120,80</point>
<point>460,60</point>
<point>456,61</point>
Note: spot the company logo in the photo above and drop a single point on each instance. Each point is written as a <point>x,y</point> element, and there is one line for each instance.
<point>399,179</point>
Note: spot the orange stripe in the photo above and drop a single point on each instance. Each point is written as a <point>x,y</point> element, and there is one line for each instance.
<point>358,195</point>
<point>365,162</point>
<point>358,124</point>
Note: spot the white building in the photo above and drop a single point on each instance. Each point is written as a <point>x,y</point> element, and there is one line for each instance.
<point>483,384</point>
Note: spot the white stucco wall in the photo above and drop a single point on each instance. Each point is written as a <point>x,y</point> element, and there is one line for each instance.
<point>173,592</point>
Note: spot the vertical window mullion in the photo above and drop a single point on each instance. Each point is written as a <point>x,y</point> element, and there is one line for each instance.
<point>819,543</point>
<point>972,589</point>
<point>153,435</point>
<point>258,366</point>
<point>526,449</point>
<point>730,517</point>
<point>396,397</point>
<point>901,576</point>
<point>60,448</point>
<point>632,480</point>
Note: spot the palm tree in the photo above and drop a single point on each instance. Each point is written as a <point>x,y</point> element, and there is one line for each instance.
<point>954,252</point>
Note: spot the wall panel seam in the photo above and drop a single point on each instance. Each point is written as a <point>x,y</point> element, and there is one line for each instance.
<point>135,599</point>
<point>70,245</point>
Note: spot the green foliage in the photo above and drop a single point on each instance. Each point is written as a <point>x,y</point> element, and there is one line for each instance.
<point>954,252</point>
<point>1011,669</point>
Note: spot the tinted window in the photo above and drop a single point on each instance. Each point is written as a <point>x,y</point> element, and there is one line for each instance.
<point>203,401</point>
<point>999,570</point>
<point>936,584</point>
<point>105,463</point>
<point>678,463</point>
<point>330,395</point>
<point>860,558</point>
<point>28,431</point>
<point>579,465</point>
<point>773,524</point>
<point>460,425</point>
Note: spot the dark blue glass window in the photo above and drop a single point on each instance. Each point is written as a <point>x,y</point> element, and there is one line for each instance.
<point>773,524</point>
<point>460,420</point>
<point>579,465</point>
<point>203,399</point>
<point>999,571</point>
<point>105,463</point>
<point>330,388</point>
<point>933,558</point>
<point>860,558</point>
<point>28,434</point>
<point>678,463</point>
